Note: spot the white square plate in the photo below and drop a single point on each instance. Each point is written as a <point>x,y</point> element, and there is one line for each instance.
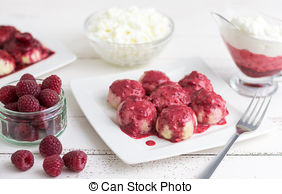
<point>91,94</point>
<point>60,58</point>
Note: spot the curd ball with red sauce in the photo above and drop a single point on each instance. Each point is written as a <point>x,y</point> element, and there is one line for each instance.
<point>121,89</point>
<point>152,79</point>
<point>25,49</point>
<point>169,94</point>
<point>176,123</point>
<point>170,83</point>
<point>7,63</point>
<point>209,107</point>
<point>194,82</point>
<point>6,33</point>
<point>136,117</point>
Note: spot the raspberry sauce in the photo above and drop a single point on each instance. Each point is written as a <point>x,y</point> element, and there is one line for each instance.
<point>203,127</point>
<point>169,94</point>
<point>194,82</point>
<point>255,65</point>
<point>150,143</point>
<point>6,33</point>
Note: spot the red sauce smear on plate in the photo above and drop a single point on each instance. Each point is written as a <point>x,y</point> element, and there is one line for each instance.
<point>150,143</point>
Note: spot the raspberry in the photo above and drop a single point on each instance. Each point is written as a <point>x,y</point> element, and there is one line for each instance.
<point>49,146</point>
<point>41,108</point>
<point>39,123</point>
<point>12,106</point>
<point>28,103</point>
<point>48,98</point>
<point>8,94</point>
<point>22,159</point>
<point>25,87</point>
<point>75,160</point>
<point>27,76</point>
<point>52,82</point>
<point>53,165</point>
<point>24,132</point>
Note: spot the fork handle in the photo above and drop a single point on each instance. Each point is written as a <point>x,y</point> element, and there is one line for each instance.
<point>209,170</point>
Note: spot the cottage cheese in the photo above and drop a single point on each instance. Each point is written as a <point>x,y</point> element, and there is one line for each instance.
<point>258,27</point>
<point>130,25</point>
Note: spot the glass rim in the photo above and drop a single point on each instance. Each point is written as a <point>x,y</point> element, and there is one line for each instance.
<point>46,111</point>
<point>152,43</point>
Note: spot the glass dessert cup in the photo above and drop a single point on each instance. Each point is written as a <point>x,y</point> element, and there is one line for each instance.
<point>259,61</point>
<point>29,128</point>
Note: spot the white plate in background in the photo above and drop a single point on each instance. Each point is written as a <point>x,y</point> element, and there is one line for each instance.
<point>91,95</point>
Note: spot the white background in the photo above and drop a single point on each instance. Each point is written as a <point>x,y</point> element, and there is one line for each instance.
<point>195,35</point>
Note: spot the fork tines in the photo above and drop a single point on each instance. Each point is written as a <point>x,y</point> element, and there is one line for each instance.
<point>255,112</point>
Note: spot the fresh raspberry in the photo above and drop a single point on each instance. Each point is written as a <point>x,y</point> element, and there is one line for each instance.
<point>52,82</point>
<point>12,106</point>
<point>28,103</point>
<point>53,165</point>
<point>50,145</point>
<point>75,160</point>
<point>8,94</point>
<point>22,159</point>
<point>41,108</point>
<point>48,98</point>
<point>27,76</point>
<point>24,132</point>
<point>39,123</point>
<point>25,87</point>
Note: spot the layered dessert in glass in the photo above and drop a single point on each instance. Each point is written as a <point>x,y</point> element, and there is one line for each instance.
<point>255,44</point>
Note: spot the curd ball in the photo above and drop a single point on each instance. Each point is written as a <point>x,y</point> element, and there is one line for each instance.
<point>121,89</point>
<point>152,79</point>
<point>25,49</point>
<point>136,117</point>
<point>7,63</point>
<point>194,82</point>
<point>176,123</point>
<point>169,94</point>
<point>209,107</point>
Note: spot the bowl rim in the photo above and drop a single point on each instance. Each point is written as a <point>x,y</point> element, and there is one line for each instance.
<point>47,110</point>
<point>92,37</point>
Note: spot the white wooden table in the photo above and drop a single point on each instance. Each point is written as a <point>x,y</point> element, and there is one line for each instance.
<point>195,35</point>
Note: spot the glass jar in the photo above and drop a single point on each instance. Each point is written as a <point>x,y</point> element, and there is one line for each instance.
<point>29,128</point>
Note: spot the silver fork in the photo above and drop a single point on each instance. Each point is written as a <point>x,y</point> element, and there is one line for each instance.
<point>250,121</point>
